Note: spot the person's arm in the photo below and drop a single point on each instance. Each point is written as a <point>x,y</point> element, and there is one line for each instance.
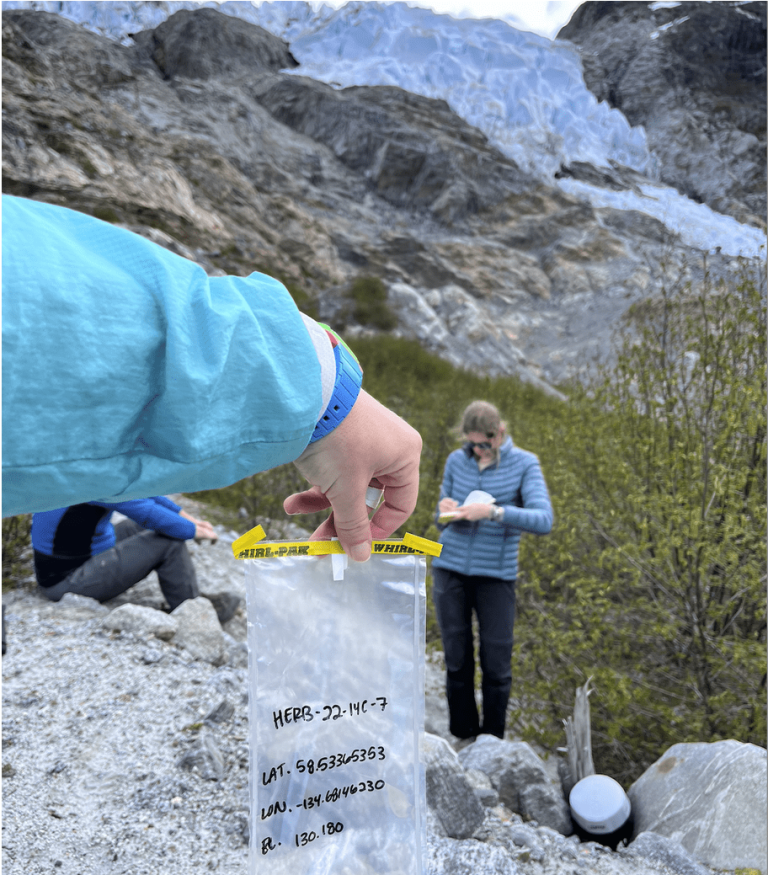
<point>536,515</point>
<point>128,372</point>
<point>204,531</point>
<point>152,514</point>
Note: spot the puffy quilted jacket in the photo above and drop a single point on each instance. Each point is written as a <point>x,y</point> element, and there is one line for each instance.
<point>486,548</point>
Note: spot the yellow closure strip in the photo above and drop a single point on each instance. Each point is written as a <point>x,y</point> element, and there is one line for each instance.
<point>422,545</point>
<point>248,547</point>
<point>247,540</point>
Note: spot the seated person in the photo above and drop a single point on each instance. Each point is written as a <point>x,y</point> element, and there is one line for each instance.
<point>77,549</point>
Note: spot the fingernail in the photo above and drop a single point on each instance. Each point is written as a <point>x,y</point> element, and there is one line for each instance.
<point>360,553</point>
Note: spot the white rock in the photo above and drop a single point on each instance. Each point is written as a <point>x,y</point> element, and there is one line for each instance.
<point>199,630</point>
<point>709,797</point>
<point>141,621</point>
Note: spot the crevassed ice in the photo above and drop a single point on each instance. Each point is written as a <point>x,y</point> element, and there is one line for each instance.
<point>697,224</point>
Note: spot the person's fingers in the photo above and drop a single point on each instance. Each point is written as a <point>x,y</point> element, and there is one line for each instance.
<point>398,505</point>
<point>326,531</point>
<point>204,531</point>
<point>350,519</point>
<point>371,447</point>
<point>310,501</point>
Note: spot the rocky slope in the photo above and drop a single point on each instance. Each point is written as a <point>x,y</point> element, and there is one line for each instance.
<point>185,138</point>
<point>693,75</point>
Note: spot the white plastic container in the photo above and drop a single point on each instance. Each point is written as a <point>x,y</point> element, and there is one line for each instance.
<point>599,805</point>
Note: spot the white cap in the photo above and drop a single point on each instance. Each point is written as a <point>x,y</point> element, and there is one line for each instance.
<point>599,805</point>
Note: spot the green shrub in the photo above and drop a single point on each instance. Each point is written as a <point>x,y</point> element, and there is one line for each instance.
<point>106,214</point>
<point>16,540</point>
<point>653,581</point>
<point>369,295</point>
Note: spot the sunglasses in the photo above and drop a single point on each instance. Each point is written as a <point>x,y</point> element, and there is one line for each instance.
<point>480,445</point>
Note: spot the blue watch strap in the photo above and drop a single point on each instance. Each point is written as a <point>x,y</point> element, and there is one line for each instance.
<point>349,379</point>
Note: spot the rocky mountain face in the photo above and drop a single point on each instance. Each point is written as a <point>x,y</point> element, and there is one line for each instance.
<point>693,75</point>
<point>193,137</point>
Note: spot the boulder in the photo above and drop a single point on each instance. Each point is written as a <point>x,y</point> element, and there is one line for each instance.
<point>709,797</point>
<point>483,788</point>
<point>224,598</point>
<point>667,852</point>
<point>449,793</point>
<point>199,630</point>
<point>80,607</point>
<point>141,621</point>
<point>146,593</point>
<point>521,780</point>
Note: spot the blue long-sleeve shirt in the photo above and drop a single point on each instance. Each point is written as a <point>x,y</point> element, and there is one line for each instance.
<point>484,548</point>
<point>66,538</point>
<point>128,372</point>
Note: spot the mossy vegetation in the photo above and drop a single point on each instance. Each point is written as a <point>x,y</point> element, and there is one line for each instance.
<point>16,543</point>
<point>106,214</point>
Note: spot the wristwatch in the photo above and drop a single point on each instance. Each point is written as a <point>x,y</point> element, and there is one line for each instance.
<point>497,514</point>
<point>349,379</point>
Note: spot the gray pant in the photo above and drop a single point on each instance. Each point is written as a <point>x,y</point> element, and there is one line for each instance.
<point>137,552</point>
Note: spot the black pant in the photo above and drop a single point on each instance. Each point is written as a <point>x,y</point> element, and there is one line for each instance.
<point>137,552</point>
<point>493,600</point>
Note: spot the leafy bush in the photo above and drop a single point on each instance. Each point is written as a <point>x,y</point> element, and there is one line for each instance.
<point>654,581</point>
<point>16,541</point>
<point>369,295</point>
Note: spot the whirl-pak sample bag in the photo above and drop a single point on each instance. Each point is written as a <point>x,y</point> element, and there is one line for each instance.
<point>336,684</point>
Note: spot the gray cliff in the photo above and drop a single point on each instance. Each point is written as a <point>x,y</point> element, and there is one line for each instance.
<point>693,75</point>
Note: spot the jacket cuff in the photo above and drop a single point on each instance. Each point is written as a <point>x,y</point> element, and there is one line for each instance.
<point>349,379</point>
<point>324,350</point>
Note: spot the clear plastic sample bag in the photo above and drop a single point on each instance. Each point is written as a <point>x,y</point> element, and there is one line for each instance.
<point>336,677</point>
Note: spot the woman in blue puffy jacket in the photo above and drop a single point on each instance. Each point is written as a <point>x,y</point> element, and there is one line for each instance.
<point>492,492</point>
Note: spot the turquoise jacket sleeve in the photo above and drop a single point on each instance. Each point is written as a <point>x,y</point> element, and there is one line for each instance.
<point>128,372</point>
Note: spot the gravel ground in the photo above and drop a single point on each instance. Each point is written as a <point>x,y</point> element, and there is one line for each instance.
<point>94,729</point>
